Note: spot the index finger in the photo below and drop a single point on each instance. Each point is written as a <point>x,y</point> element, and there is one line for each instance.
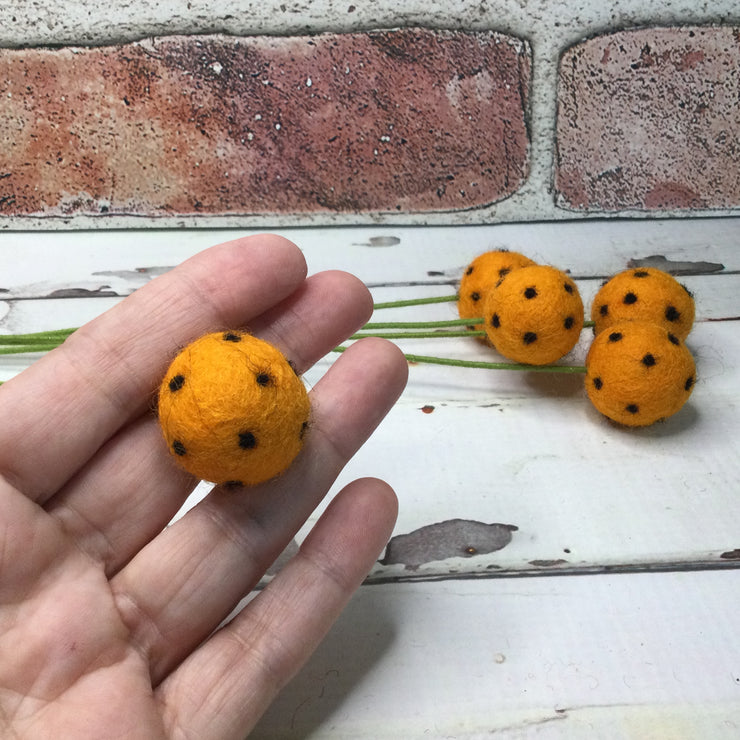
<point>63,408</point>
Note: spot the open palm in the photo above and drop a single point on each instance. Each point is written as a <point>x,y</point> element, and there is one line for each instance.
<point>108,616</point>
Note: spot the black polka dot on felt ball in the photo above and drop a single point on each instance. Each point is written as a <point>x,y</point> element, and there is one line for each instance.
<point>495,321</point>
<point>568,323</point>
<point>247,440</point>
<point>629,299</point>
<point>177,382</point>
<point>229,336</point>
<point>604,309</point>
<point>503,272</point>
<point>529,337</point>
<point>530,293</point>
<point>615,336</point>
<point>673,339</point>
<point>263,379</point>
<point>648,360</point>
<point>179,448</point>
<point>640,274</point>
<point>475,296</point>
<point>672,313</point>
<point>469,271</point>
<point>598,383</point>
<point>568,288</point>
<point>689,383</point>
<point>632,408</point>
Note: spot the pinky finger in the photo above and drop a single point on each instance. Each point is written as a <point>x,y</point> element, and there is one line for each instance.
<point>223,688</point>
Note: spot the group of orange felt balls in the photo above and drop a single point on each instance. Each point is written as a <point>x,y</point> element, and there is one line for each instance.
<point>638,368</point>
<point>233,410</point>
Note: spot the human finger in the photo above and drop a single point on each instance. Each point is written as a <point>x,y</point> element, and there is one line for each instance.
<point>181,585</point>
<point>223,688</point>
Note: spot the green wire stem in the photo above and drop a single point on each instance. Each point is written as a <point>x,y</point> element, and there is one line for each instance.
<point>19,349</point>
<point>41,341</point>
<point>564,369</point>
<point>421,324</point>
<point>38,337</point>
<point>416,302</point>
<point>418,334</point>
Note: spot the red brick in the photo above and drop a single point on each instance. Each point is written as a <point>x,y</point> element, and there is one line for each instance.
<point>407,120</point>
<point>649,120</point>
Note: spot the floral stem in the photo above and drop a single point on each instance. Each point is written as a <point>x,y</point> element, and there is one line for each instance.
<point>421,324</point>
<point>39,337</point>
<point>18,349</point>
<point>564,369</point>
<point>418,334</point>
<point>416,302</point>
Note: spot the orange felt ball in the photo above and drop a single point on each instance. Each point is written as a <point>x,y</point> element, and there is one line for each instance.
<point>644,294</point>
<point>535,315</point>
<point>481,276</point>
<point>232,409</point>
<point>638,373</point>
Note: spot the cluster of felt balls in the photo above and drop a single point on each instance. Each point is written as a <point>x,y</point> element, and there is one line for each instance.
<point>233,410</point>
<point>638,368</point>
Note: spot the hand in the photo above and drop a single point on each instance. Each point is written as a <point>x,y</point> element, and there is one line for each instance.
<point>107,615</point>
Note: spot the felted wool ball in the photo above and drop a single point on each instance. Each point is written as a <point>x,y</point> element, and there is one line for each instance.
<point>232,409</point>
<point>638,373</point>
<point>481,276</point>
<point>535,315</point>
<point>645,294</point>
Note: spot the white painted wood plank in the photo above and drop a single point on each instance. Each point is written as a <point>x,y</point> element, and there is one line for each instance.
<point>587,248</point>
<point>615,657</point>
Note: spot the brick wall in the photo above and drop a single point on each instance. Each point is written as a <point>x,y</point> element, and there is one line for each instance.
<point>551,112</point>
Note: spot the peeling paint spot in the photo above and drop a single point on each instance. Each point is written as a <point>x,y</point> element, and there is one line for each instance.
<point>731,555</point>
<point>547,563</point>
<point>676,267</point>
<point>380,241</point>
<point>149,272</point>
<point>462,538</point>
<point>102,291</point>
<point>428,409</point>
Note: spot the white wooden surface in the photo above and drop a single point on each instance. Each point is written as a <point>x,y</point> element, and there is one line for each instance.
<point>541,638</point>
